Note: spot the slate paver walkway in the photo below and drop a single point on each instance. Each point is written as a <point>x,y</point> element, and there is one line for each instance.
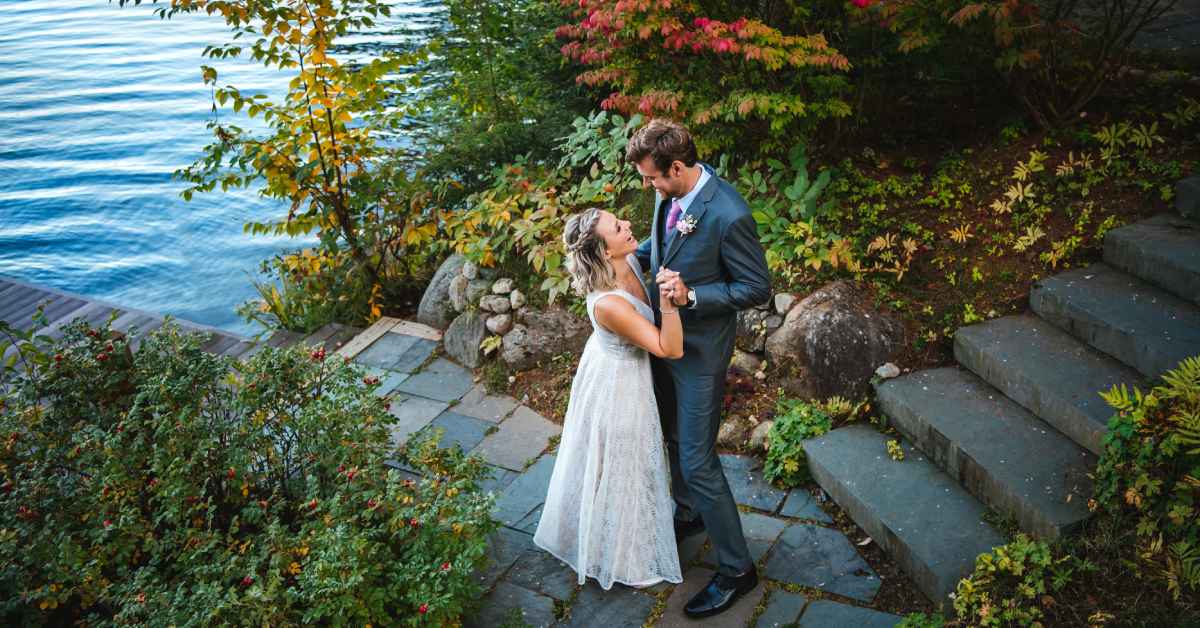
<point>477,403</point>
<point>801,505</point>
<point>822,558</point>
<point>456,429</point>
<point>783,609</point>
<point>522,437</point>
<point>760,531</point>
<point>412,415</point>
<point>748,485</point>
<point>822,613</point>
<point>619,606</point>
<point>695,579</point>
<point>526,493</point>
<point>783,528</point>
<point>442,380</point>
<point>508,604</point>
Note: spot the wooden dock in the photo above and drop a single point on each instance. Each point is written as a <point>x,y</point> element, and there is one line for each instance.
<point>20,300</point>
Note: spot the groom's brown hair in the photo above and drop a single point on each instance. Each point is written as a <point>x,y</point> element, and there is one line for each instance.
<point>665,142</point>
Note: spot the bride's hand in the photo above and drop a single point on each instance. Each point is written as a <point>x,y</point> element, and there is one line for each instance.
<point>666,294</point>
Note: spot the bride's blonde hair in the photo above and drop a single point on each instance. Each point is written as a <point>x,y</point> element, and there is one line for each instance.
<point>589,267</point>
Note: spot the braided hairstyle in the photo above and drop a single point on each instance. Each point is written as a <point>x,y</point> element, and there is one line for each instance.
<point>586,261</point>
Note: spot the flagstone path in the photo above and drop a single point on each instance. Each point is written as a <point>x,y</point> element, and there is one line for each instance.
<point>789,535</point>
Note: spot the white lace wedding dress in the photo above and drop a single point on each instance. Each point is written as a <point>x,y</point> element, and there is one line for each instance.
<point>608,511</point>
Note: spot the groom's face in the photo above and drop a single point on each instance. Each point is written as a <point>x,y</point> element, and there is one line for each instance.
<point>668,184</point>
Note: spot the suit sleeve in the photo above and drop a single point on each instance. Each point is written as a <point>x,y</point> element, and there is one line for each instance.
<point>749,280</point>
<point>643,255</point>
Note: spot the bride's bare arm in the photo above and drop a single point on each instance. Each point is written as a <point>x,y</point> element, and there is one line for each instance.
<point>619,316</point>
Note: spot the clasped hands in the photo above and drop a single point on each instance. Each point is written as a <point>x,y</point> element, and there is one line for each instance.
<point>671,286</point>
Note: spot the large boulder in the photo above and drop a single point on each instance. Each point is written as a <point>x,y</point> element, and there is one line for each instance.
<point>458,292</point>
<point>463,337</point>
<point>436,309</point>
<point>751,330</point>
<point>831,343</point>
<point>542,335</point>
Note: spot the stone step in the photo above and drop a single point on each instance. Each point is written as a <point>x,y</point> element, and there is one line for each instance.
<point>919,515</point>
<point>1164,250</point>
<point>1003,455</point>
<point>1125,317</point>
<point>1046,370</point>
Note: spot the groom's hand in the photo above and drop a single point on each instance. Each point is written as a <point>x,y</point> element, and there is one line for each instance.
<point>670,281</point>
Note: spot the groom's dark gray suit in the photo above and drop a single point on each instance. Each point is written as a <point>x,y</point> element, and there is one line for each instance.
<point>723,261</point>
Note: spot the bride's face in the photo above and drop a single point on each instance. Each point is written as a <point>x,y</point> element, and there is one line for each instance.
<point>618,237</point>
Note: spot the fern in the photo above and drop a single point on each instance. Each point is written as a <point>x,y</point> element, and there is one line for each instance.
<point>1183,568</point>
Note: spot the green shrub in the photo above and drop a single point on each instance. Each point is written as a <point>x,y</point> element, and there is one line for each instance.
<point>1009,584</point>
<point>171,486</point>
<point>497,91</point>
<point>1149,470</point>
<point>518,220</point>
<point>921,620</point>
<point>796,420</point>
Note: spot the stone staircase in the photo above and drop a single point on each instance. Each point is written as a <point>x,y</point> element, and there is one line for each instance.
<point>1017,426</point>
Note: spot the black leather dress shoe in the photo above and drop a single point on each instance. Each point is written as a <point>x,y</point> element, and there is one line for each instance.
<point>684,529</point>
<point>721,593</point>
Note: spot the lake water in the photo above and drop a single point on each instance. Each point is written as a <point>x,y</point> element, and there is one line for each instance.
<point>98,106</point>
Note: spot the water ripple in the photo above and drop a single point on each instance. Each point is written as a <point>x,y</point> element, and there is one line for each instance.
<point>98,106</point>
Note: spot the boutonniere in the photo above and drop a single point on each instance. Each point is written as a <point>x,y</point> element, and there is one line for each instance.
<point>686,225</point>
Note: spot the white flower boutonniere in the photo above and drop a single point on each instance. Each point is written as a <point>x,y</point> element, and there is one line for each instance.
<point>686,225</point>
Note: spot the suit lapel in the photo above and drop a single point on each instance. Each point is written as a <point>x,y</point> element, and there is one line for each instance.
<point>656,236</point>
<point>700,206</point>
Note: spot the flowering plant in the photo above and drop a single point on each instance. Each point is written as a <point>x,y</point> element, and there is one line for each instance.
<point>773,84</point>
<point>168,485</point>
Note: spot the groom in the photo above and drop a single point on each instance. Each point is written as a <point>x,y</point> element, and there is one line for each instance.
<point>703,228</point>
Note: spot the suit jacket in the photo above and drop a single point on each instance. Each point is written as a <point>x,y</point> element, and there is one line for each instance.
<point>722,260</point>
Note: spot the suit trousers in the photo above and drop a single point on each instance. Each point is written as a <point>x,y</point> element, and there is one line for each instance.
<point>690,409</point>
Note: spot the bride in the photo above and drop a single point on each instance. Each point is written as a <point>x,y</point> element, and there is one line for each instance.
<point>608,511</point>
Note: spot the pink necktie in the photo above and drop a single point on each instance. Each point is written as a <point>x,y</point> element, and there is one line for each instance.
<point>673,217</point>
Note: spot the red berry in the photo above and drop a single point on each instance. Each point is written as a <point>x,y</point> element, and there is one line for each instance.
<point>371,504</point>
<point>446,566</point>
<point>312,505</point>
<point>101,357</point>
<point>424,608</point>
<point>231,473</point>
<point>58,357</point>
<point>108,523</point>
<point>247,581</point>
<point>414,523</point>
